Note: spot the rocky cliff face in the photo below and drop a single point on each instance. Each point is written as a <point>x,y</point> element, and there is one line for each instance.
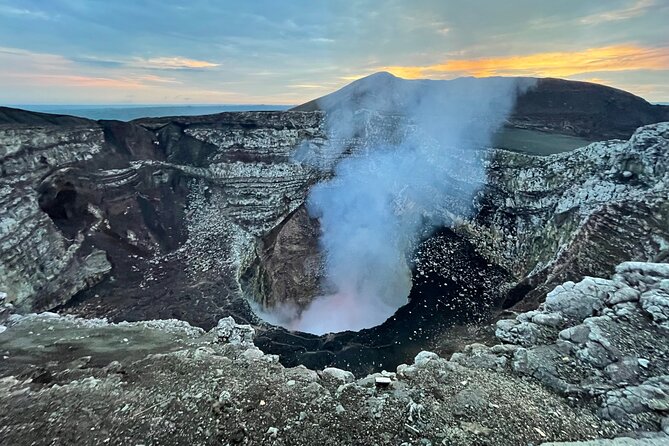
<point>183,210</point>
<point>557,218</point>
<point>82,196</point>
<point>186,217</point>
<point>39,261</point>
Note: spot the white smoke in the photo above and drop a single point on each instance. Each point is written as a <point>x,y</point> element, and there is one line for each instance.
<point>407,180</point>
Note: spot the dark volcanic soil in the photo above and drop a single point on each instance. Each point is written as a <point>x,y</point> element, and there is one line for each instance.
<point>455,291</point>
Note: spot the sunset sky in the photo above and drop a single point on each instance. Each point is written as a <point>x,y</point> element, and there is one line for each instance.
<point>287,52</point>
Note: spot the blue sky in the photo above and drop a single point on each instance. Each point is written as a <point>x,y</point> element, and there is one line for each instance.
<point>287,52</point>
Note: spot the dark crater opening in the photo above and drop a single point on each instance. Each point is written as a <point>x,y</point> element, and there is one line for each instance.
<point>455,291</point>
<point>66,208</point>
<point>63,205</point>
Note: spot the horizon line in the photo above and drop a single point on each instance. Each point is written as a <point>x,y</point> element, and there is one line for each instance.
<point>144,105</point>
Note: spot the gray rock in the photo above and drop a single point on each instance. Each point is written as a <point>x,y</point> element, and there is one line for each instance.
<point>663,285</point>
<point>342,376</point>
<point>406,371</point>
<point>302,374</point>
<point>272,432</point>
<point>424,357</point>
<point>469,400</point>
<point>229,331</point>
<point>643,363</point>
<point>652,397</point>
<point>475,428</point>
<point>541,363</point>
<point>643,274</point>
<point>253,353</point>
<point>656,303</point>
<point>625,309</point>
<point>578,334</point>
<point>504,349</point>
<point>527,316</point>
<point>521,333</point>
<point>479,356</point>
<point>624,294</point>
<point>624,371</point>
<point>598,349</point>
<point>553,320</point>
<point>578,301</point>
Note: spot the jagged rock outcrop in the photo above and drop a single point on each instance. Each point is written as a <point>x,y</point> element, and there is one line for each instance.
<point>557,218</point>
<point>596,339</point>
<point>288,267</point>
<point>28,151</point>
<point>168,382</point>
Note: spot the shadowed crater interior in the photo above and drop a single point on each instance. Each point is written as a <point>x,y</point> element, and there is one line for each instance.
<point>64,205</point>
<point>454,290</point>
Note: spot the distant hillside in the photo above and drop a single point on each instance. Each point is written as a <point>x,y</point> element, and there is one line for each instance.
<point>23,117</point>
<point>581,109</point>
<point>128,113</point>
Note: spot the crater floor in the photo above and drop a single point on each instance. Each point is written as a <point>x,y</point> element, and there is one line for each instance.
<point>455,291</point>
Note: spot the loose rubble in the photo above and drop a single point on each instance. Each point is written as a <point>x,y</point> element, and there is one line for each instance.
<point>585,365</point>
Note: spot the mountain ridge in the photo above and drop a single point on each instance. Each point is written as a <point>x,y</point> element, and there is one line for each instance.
<point>561,106</point>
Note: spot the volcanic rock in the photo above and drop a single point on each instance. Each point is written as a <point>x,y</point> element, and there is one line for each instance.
<point>179,384</point>
<point>554,219</point>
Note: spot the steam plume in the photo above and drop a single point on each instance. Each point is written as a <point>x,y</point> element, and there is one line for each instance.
<point>406,180</point>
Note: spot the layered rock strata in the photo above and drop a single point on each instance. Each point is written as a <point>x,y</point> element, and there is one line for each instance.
<point>557,218</point>
<point>182,210</point>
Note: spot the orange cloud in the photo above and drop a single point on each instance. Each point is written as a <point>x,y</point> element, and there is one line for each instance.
<point>550,64</point>
<point>307,86</point>
<point>174,63</point>
<point>82,81</point>
<point>66,80</point>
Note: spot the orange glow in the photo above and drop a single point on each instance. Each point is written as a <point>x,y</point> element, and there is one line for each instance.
<point>175,63</point>
<point>553,64</point>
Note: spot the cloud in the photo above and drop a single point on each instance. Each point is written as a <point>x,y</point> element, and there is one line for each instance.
<point>172,63</point>
<point>266,47</point>
<point>638,8</point>
<point>82,81</point>
<point>550,64</point>
<point>71,80</point>
<point>322,40</point>
<point>23,12</point>
<point>306,86</point>
<point>43,70</point>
